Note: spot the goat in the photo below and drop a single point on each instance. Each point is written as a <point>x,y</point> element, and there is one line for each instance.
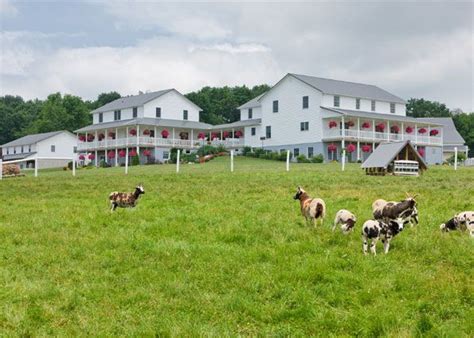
<point>461,221</point>
<point>391,210</point>
<point>125,199</point>
<point>313,209</point>
<point>375,230</point>
<point>346,219</point>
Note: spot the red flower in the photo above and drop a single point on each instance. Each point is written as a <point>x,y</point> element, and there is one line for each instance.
<point>90,138</point>
<point>214,136</point>
<point>350,148</point>
<point>395,129</point>
<point>332,124</point>
<point>350,124</point>
<point>146,132</point>
<point>132,152</point>
<point>409,130</point>
<point>82,138</point>
<point>238,134</point>
<point>112,134</point>
<point>133,132</point>
<point>165,133</point>
<point>146,152</point>
<point>82,157</point>
<point>421,151</point>
<point>422,130</point>
<point>122,153</point>
<point>111,154</point>
<point>434,132</point>
<point>201,136</point>
<point>366,125</point>
<point>366,148</point>
<point>225,134</point>
<point>380,127</point>
<point>91,156</point>
<point>332,147</point>
<point>101,136</point>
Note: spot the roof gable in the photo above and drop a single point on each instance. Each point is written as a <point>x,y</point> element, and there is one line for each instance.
<point>131,101</point>
<point>385,153</point>
<point>34,138</point>
<point>450,133</point>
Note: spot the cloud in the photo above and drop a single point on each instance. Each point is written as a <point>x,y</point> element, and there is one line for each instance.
<point>7,8</point>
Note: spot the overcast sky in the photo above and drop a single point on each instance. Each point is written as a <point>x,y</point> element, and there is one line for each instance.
<point>85,48</point>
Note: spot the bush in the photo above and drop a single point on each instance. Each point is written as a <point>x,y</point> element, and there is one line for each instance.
<point>246,151</point>
<point>221,149</point>
<point>207,150</point>
<point>302,159</point>
<point>461,158</point>
<point>318,158</point>
<point>135,160</point>
<point>104,164</point>
<point>187,158</point>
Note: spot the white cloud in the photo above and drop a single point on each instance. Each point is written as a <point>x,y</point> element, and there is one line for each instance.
<point>7,8</point>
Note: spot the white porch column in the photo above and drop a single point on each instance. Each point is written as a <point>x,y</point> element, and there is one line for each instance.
<point>138,140</point>
<point>116,149</point>
<point>403,132</point>
<point>441,136</point>
<point>96,141</point>
<point>154,138</point>
<point>173,137</point>
<point>106,137</point>
<point>388,131</point>
<point>126,142</point>
<point>416,136</point>
<point>86,143</point>
<point>233,136</point>
<point>429,134</point>
<point>358,139</point>
<point>343,142</point>
<point>373,135</point>
<point>106,159</point>
<point>192,138</point>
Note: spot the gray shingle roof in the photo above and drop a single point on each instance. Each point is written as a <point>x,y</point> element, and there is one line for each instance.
<point>385,153</point>
<point>252,103</point>
<point>11,157</point>
<point>345,88</point>
<point>31,139</point>
<point>238,124</point>
<point>379,116</point>
<point>146,121</point>
<point>450,134</point>
<point>131,101</point>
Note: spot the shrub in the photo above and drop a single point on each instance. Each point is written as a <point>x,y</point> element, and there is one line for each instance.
<point>461,158</point>
<point>207,150</point>
<point>318,158</point>
<point>221,149</point>
<point>302,159</point>
<point>246,151</point>
<point>135,160</point>
<point>104,164</point>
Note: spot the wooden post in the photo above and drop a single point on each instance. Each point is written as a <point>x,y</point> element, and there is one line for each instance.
<point>74,165</point>
<point>177,161</point>
<point>116,149</point>
<point>138,140</point>
<point>287,160</point>
<point>358,139</point>
<point>455,158</point>
<point>36,166</point>
<point>232,161</point>
<point>1,169</point>
<point>343,159</point>
<point>126,160</point>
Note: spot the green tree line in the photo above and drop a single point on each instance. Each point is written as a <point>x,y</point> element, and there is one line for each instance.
<point>219,105</point>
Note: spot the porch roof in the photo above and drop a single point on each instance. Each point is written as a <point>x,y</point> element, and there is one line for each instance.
<point>11,157</point>
<point>379,116</point>
<point>145,121</point>
<point>237,124</point>
<point>385,153</point>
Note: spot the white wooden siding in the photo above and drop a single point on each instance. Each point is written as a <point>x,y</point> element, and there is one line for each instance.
<point>347,102</point>
<point>172,105</point>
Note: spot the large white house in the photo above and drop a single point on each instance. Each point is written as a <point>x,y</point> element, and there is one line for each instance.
<point>311,115</point>
<point>51,147</point>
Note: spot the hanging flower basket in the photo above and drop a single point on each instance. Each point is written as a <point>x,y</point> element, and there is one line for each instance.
<point>350,148</point>
<point>132,153</point>
<point>201,136</point>
<point>111,154</point>
<point>82,138</point>
<point>332,147</point>
<point>238,134</point>
<point>101,136</point>
<point>395,129</point>
<point>90,138</point>
<point>112,135</point>
<point>165,133</point>
<point>133,132</point>
<point>91,156</point>
<point>366,148</point>
<point>434,132</point>
<point>146,152</point>
<point>409,130</point>
<point>183,135</point>
<point>146,132</point>
<point>225,134</point>
<point>214,136</point>
<point>332,124</point>
<point>380,127</point>
<point>349,124</point>
<point>422,130</point>
<point>82,157</point>
<point>421,151</point>
<point>122,153</point>
<point>366,125</point>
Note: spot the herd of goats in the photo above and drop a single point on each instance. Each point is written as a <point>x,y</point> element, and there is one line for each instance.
<point>389,217</point>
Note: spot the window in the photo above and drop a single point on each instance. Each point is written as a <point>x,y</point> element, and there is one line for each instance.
<point>305,102</point>
<point>296,152</point>
<point>101,117</point>
<point>253,131</point>
<point>74,149</point>
<point>8,151</point>
<point>166,155</point>
<point>14,150</point>
<point>135,112</point>
<point>250,113</point>
<point>310,152</point>
<point>304,126</point>
<point>158,112</point>
<point>372,105</point>
<point>275,106</point>
<point>117,115</point>
<point>29,148</point>
<point>152,133</point>
<point>268,132</point>
<point>357,103</point>
<point>185,114</point>
<point>22,149</point>
<point>337,100</point>
<point>53,148</point>
<point>392,108</point>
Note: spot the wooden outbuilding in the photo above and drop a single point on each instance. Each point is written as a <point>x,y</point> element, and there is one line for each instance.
<point>395,158</point>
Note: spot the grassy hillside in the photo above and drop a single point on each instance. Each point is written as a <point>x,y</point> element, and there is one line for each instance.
<point>207,252</point>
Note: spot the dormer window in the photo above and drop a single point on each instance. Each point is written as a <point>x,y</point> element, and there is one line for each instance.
<point>392,108</point>
<point>185,114</point>
<point>117,115</point>
<point>158,112</point>
<point>101,117</point>
<point>337,101</point>
<point>357,103</point>
<point>372,105</point>
<point>135,112</point>
<point>250,113</point>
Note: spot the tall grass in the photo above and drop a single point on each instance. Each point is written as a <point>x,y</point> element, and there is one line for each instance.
<point>209,252</point>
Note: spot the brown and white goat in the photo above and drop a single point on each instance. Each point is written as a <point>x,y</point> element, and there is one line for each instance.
<point>313,209</point>
<point>383,210</point>
<point>125,199</point>
<point>345,219</point>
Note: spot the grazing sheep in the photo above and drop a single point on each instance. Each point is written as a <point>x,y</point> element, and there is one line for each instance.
<point>461,221</point>
<point>346,219</point>
<point>391,210</point>
<point>375,230</point>
<point>313,209</point>
<point>125,199</point>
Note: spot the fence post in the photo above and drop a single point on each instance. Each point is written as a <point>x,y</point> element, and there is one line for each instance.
<point>1,169</point>
<point>177,162</point>
<point>36,166</point>
<point>231,161</point>
<point>126,161</point>
<point>287,160</point>
<point>455,158</point>
<point>343,159</point>
<point>73,165</point>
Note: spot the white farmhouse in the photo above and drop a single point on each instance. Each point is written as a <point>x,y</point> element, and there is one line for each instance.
<point>52,145</point>
<point>311,115</point>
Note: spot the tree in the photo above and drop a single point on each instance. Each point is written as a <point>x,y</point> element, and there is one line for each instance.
<point>425,108</point>
<point>105,98</point>
<point>465,125</point>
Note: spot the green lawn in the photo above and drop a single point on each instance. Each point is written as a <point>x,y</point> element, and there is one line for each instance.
<point>209,252</point>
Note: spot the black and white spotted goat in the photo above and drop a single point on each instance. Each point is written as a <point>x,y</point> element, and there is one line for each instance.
<point>125,199</point>
<point>406,209</point>
<point>374,230</point>
<point>346,220</point>
<point>462,221</point>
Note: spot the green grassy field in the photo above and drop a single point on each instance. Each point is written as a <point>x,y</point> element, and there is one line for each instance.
<point>209,252</point>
